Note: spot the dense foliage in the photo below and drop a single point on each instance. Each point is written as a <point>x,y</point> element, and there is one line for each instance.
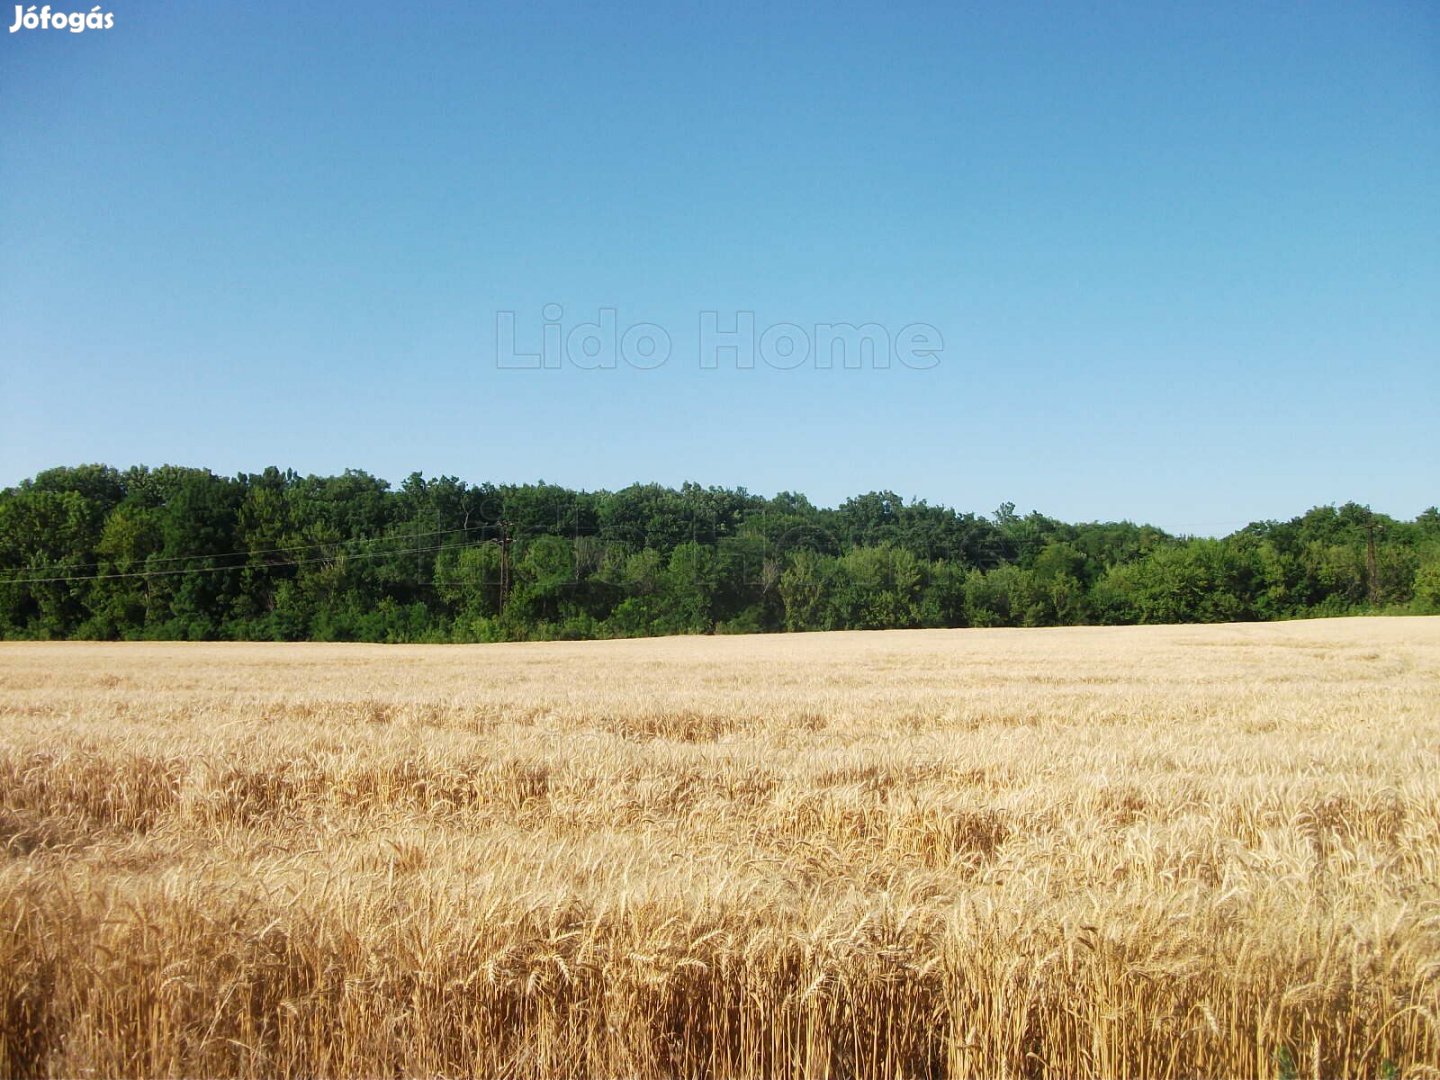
<point>94,552</point>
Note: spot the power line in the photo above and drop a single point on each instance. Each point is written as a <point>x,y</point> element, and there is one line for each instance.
<point>992,548</point>
<point>233,554</point>
<point>222,569</point>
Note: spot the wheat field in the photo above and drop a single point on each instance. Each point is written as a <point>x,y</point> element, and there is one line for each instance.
<point>1151,852</point>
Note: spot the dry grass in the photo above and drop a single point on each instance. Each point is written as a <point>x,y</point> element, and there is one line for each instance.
<point>1206,851</point>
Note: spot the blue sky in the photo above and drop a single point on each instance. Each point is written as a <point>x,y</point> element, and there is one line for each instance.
<point>1185,259</point>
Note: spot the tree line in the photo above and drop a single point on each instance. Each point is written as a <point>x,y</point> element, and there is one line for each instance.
<point>182,553</point>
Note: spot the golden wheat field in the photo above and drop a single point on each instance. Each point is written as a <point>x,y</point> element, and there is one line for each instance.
<point>1151,852</point>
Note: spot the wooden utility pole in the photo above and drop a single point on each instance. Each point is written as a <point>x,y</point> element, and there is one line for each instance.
<point>504,541</point>
<point>1371,573</point>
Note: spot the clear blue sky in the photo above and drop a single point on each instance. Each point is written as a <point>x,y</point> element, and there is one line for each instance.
<point>1185,258</point>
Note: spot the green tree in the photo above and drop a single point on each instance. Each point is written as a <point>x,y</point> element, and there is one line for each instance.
<point>1426,586</point>
<point>804,590</point>
<point>876,588</point>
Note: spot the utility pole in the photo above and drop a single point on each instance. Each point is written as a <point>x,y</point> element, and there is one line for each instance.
<point>504,541</point>
<point>1371,574</point>
<point>420,548</point>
